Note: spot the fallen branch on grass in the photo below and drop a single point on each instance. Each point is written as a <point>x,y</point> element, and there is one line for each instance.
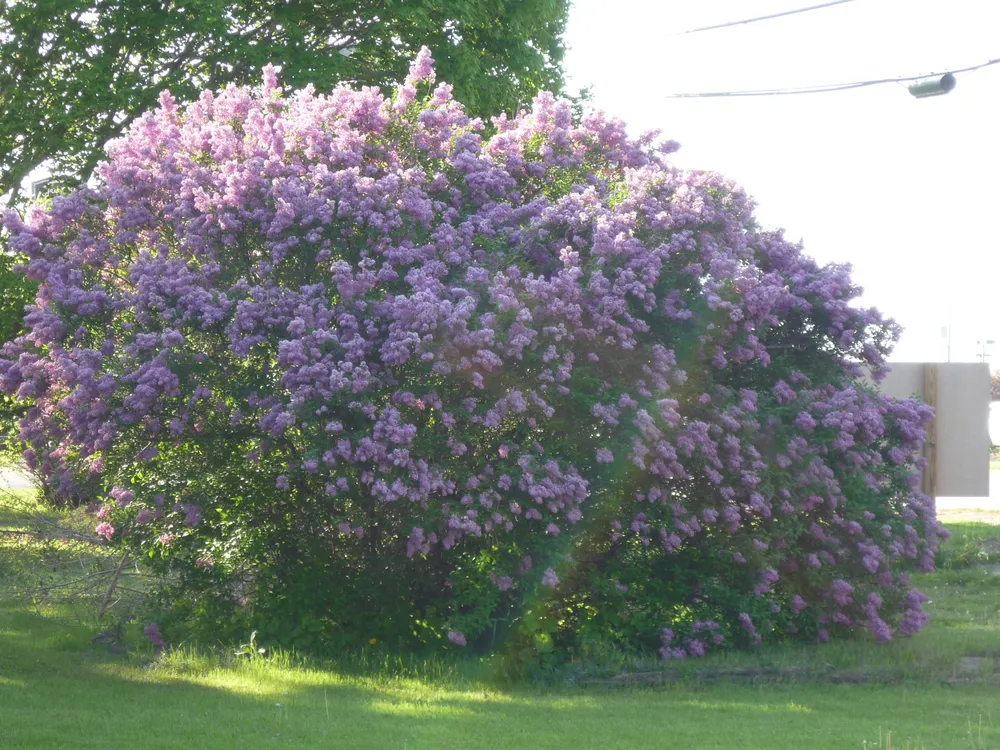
<point>738,674</point>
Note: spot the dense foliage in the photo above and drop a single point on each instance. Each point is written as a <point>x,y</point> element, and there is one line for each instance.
<point>75,73</point>
<point>348,370</point>
<point>15,292</point>
<point>995,385</point>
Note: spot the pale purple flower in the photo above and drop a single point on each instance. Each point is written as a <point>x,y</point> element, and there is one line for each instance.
<point>422,68</point>
<point>122,496</point>
<point>840,592</point>
<point>747,624</point>
<point>152,632</point>
<point>334,254</point>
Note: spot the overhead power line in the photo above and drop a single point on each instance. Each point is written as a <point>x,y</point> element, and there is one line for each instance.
<point>822,89</point>
<point>763,18</point>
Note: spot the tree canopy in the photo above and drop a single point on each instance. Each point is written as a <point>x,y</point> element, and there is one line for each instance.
<point>75,73</point>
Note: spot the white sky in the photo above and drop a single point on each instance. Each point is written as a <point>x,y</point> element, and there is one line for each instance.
<point>906,190</point>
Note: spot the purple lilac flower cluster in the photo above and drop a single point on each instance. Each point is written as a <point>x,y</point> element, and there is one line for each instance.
<point>152,632</point>
<point>468,337</point>
<point>704,634</point>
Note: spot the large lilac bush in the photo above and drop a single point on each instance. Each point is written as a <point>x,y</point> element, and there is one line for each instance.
<point>357,366</point>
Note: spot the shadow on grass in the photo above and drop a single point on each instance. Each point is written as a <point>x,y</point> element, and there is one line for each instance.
<point>57,690</point>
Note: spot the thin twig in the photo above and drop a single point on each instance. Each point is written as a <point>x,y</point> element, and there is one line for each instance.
<point>78,581</point>
<point>111,588</point>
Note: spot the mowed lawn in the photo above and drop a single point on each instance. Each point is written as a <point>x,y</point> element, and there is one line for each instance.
<point>60,690</point>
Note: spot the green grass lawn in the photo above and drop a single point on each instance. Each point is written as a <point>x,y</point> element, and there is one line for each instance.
<point>58,689</point>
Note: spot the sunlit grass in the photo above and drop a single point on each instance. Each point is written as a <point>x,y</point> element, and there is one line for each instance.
<point>58,689</point>
<point>83,698</point>
<point>965,612</point>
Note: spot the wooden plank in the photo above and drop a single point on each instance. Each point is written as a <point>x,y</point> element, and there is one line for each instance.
<point>928,479</point>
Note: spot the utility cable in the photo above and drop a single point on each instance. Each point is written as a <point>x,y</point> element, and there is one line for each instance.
<point>762,18</point>
<point>822,89</point>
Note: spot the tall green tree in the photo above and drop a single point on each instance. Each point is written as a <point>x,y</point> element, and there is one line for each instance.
<point>75,73</point>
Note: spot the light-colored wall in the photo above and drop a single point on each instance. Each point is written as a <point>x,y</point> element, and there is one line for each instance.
<point>963,408</point>
<point>995,422</point>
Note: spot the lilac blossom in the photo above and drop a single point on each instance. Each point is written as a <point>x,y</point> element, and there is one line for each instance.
<point>152,632</point>
<point>442,336</point>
